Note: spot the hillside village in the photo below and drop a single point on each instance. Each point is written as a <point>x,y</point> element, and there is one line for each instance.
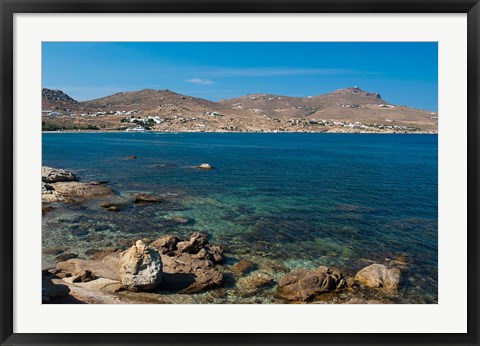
<point>344,110</point>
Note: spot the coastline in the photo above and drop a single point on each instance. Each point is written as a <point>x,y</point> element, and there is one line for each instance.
<point>257,132</point>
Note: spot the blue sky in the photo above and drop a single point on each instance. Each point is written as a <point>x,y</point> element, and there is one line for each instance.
<point>404,73</point>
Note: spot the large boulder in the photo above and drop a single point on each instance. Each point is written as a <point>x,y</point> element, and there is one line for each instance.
<point>302,284</point>
<point>379,275</point>
<point>54,175</point>
<point>140,268</point>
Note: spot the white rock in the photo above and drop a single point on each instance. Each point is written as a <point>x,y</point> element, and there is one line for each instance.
<point>140,268</point>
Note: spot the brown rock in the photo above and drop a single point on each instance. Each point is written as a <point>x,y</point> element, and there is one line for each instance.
<point>305,284</point>
<point>378,275</point>
<point>110,206</point>
<point>106,267</point>
<point>53,250</point>
<point>65,257</point>
<point>81,190</point>
<point>215,253</point>
<point>146,198</point>
<point>84,276</point>
<point>165,244</point>
<point>196,242</point>
<point>187,274</point>
<point>243,266</point>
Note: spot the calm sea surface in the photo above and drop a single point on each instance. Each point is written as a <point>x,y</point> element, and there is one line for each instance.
<point>303,200</point>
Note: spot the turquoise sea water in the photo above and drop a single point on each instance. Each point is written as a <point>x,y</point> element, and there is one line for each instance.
<point>303,200</point>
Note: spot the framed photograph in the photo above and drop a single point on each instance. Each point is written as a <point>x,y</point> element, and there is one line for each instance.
<point>239,173</point>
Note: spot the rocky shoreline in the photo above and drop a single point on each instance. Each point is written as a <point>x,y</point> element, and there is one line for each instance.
<point>171,269</point>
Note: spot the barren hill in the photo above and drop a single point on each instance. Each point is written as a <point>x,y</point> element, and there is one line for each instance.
<point>351,108</point>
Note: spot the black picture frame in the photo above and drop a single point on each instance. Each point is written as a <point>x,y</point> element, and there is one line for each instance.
<point>9,7</point>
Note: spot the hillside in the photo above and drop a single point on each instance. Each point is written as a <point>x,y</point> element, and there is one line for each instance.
<point>343,110</point>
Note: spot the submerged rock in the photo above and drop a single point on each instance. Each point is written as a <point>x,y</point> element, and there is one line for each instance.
<point>110,206</point>
<point>305,284</point>
<point>54,175</point>
<point>254,283</point>
<point>146,198</point>
<point>140,268</point>
<point>243,266</point>
<point>53,250</point>
<point>65,257</point>
<point>378,275</point>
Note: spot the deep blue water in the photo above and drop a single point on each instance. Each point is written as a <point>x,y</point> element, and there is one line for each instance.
<point>303,199</point>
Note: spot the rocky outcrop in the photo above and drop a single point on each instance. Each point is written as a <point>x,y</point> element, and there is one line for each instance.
<point>302,284</point>
<point>379,275</point>
<point>54,175</point>
<point>73,191</point>
<point>160,266</point>
<point>56,95</point>
<point>82,190</point>
<point>140,268</point>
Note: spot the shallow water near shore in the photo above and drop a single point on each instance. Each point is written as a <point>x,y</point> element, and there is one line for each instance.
<point>282,200</point>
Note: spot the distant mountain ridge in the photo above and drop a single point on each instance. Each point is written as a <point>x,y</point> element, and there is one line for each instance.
<point>350,105</point>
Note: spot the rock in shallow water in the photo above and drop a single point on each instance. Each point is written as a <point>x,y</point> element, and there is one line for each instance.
<point>205,166</point>
<point>146,198</point>
<point>243,266</point>
<point>252,284</point>
<point>140,268</point>
<point>378,275</point>
<point>305,284</point>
